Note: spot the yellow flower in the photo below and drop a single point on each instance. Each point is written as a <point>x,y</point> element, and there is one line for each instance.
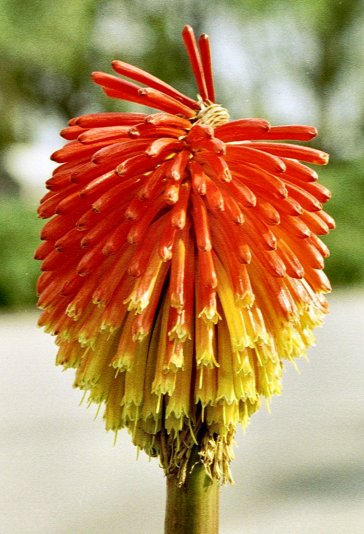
<point>181,264</point>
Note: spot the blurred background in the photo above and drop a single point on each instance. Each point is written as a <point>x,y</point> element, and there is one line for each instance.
<point>289,62</point>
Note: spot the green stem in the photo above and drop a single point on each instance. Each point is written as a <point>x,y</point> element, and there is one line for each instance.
<point>194,507</point>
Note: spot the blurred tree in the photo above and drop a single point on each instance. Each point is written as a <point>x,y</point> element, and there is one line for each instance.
<point>332,22</point>
<point>43,63</point>
<point>320,46</point>
<point>44,58</point>
<point>48,50</point>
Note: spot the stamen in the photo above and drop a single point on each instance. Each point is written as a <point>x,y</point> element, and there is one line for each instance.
<point>212,115</point>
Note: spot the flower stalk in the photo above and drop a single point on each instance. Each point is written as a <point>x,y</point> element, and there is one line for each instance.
<point>193,507</point>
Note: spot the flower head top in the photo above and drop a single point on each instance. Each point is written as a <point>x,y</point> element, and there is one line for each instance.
<point>181,263</point>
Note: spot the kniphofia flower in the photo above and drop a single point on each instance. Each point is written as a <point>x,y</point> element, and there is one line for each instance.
<point>181,262</point>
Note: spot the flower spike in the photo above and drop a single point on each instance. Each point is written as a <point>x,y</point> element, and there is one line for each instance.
<point>181,265</point>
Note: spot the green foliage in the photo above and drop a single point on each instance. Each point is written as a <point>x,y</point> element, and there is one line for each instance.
<point>19,237</point>
<point>346,181</point>
<point>40,33</point>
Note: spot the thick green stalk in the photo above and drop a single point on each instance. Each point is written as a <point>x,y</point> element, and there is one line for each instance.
<point>194,507</point>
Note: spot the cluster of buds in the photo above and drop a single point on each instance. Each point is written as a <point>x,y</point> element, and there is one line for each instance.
<point>181,264</point>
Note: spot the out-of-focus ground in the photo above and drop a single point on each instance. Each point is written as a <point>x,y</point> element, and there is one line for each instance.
<point>299,470</point>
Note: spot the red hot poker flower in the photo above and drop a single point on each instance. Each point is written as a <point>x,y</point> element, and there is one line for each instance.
<point>181,264</point>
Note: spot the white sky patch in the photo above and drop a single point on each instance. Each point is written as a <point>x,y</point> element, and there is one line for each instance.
<point>30,163</point>
<point>118,31</point>
<point>286,101</point>
<point>254,65</point>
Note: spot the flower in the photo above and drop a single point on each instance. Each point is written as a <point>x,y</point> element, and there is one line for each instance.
<point>181,264</point>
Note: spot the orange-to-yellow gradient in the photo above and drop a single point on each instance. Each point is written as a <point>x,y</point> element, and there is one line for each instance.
<point>181,264</point>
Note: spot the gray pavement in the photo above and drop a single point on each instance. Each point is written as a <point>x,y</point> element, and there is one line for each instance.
<point>298,470</point>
